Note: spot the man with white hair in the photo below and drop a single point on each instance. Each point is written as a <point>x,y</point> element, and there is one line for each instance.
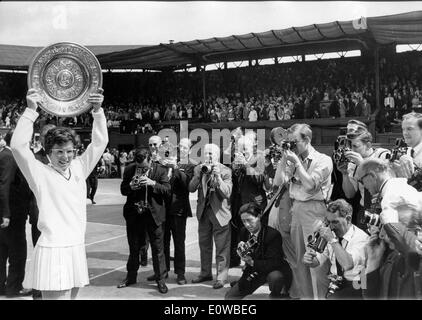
<point>214,184</point>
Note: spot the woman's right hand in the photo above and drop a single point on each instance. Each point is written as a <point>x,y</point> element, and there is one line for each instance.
<point>33,99</point>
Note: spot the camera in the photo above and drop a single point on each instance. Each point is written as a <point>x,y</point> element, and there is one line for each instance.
<point>276,152</point>
<point>341,145</point>
<point>206,168</point>
<point>372,219</point>
<point>336,283</point>
<point>315,241</point>
<point>288,145</point>
<point>142,207</point>
<point>416,179</point>
<point>399,149</point>
<point>371,216</point>
<point>246,248</point>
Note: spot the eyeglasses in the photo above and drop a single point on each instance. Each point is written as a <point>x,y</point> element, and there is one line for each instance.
<point>62,152</point>
<point>361,179</point>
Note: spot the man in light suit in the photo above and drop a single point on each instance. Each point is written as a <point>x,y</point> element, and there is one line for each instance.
<point>214,186</point>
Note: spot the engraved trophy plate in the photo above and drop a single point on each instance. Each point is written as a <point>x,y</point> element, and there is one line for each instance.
<point>65,74</point>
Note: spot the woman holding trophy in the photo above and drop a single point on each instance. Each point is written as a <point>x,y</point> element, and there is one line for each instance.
<point>58,266</point>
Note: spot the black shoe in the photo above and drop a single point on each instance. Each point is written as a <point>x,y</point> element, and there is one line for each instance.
<point>200,279</point>
<point>280,296</point>
<point>20,293</point>
<point>218,284</point>
<point>36,295</point>
<point>93,202</point>
<point>153,278</point>
<point>181,279</point>
<point>144,258</point>
<point>233,283</point>
<point>126,283</point>
<point>162,286</point>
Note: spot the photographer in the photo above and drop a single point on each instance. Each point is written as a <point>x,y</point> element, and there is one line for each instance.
<point>361,148</point>
<point>92,181</point>
<point>178,210</point>
<point>146,185</point>
<point>213,181</point>
<point>390,273</point>
<point>412,134</point>
<point>345,251</point>
<point>309,175</point>
<point>248,186</point>
<point>399,202</point>
<point>263,256</point>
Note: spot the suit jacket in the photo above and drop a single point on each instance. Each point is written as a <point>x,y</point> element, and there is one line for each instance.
<point>15,194</point>
<point>268,254</point>
<point>156,194</point>
<point>396,277</point>
<point>179,203</point>
<point>219,199</point>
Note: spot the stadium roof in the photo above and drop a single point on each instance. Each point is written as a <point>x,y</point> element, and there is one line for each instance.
<point>359,34</point>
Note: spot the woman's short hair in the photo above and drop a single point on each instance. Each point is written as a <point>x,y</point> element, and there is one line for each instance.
<point>59,136</point>
<point>251,208</point>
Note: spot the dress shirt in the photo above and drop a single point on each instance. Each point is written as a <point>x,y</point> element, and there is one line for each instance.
<point>400,201</point>
<point>417,155</point>
<point>354,242</point>
<point>319,166</point>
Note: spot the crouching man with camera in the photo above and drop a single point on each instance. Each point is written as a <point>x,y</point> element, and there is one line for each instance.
<point>146,186</point>
<point>345,251</point>
<point>213,181</point>
<point>261,249</point>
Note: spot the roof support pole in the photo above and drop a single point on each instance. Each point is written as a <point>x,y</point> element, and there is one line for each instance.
<point>204,96</point>
<point>377,84</point>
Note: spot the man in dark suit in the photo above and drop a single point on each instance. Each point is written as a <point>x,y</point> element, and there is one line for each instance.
<point>14,207</point>
<point>264,257</point>
<point>248,186</point>
<point>146,185</point>
<point>92,181</point>
<point>214,184</point>
<point>178,210</point>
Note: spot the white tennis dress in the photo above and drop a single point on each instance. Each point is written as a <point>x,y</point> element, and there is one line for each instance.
<point>59,258</point>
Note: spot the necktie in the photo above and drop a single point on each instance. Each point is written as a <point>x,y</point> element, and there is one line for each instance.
<point>339,267</point>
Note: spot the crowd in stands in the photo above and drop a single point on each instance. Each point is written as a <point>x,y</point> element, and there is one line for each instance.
<point>335,88</point>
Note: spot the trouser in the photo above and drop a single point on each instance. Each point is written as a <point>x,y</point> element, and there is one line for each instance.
<point>209,228</point>
<point>12,249</point>
<point>91,187</point>
<point>137,226</point>
<point>280,218</point>
<point>313,282</point>
<point>176,227</point>
<point>277,281</point>
<point>235,238</point>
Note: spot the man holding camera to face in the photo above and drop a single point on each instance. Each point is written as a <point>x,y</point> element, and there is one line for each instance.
<point>345,251</point>
<point>309,175</point>
<point>260,247</point>
<point>360,148</point>
<point>213,181</point>
<point>146,186</point>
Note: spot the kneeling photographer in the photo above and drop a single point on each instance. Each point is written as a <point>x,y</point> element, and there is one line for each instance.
<point>146,186</point>
<point>356,147</point>
<point>261,249</point>
<point>345,251</point>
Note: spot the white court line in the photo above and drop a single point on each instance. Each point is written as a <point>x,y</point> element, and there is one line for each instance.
<point>107,224</point>
<point>100,241</point>
<point>123,266</point>
<point>105,273</point>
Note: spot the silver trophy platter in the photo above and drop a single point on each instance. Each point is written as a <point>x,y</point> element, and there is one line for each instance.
<point>65,74</point>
